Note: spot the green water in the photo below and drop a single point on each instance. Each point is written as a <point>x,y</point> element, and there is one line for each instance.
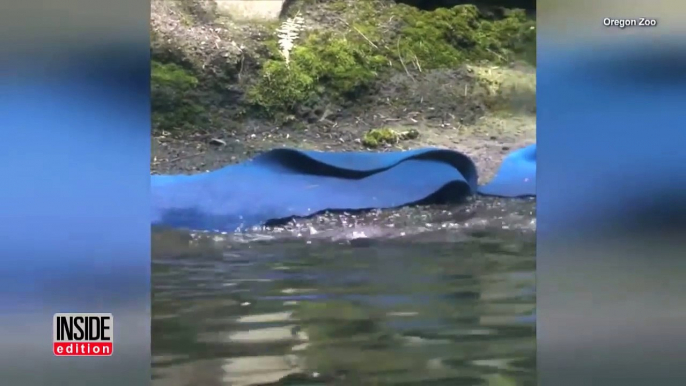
<point>449,305</point>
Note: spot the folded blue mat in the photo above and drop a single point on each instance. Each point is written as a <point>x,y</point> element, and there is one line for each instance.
<point>286,183</point>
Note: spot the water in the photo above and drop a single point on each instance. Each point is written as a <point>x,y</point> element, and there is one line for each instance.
<point>440,296</point>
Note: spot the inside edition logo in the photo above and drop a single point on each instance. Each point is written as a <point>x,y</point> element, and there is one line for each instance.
<point>82,334</point>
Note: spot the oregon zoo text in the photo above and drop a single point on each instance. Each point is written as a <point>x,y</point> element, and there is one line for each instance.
<point>624,23</point>
<point>87,334</point>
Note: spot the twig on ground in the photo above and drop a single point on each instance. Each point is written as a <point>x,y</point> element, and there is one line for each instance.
<point>400,56</point>
<point>365,38</point>
<point>416,63</point>
<point>326,113</point>
<point>496,54</point>
<point>371,43</point>
<point>240,72</point>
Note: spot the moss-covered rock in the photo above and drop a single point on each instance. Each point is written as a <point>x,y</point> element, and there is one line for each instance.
<point>433,4</point>
<point>350,50</point>
<point>324,63</point>
<point>174,105</point>
<point>386,136</point>
<point>449,37</point>
<point>379,37</point>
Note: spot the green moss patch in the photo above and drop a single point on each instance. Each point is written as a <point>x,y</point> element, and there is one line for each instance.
<point>172,75</point>
<point>381,37</point>
<point>173,97</point>
<point>448,37</point>
<point>385,136</point>
<point>324,63</point>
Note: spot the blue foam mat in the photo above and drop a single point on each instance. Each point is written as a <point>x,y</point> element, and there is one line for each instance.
<point>285,183</point>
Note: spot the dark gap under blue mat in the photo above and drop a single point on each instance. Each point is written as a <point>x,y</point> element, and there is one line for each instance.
<point>286,183</point>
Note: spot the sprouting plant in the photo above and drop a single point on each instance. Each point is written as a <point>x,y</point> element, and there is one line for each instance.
<point>288,33</point>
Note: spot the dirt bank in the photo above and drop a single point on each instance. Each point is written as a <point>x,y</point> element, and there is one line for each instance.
<point>212,107</point>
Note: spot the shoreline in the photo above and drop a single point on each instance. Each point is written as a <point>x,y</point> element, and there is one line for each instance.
<point>495,137</point>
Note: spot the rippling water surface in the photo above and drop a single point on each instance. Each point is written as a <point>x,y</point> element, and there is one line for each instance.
<point>441,296</point>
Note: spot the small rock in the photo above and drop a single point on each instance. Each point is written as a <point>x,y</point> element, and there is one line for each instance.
<point>217,142</point>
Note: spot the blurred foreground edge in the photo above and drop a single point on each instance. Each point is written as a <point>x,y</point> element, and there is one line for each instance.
<point>611,214</point>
